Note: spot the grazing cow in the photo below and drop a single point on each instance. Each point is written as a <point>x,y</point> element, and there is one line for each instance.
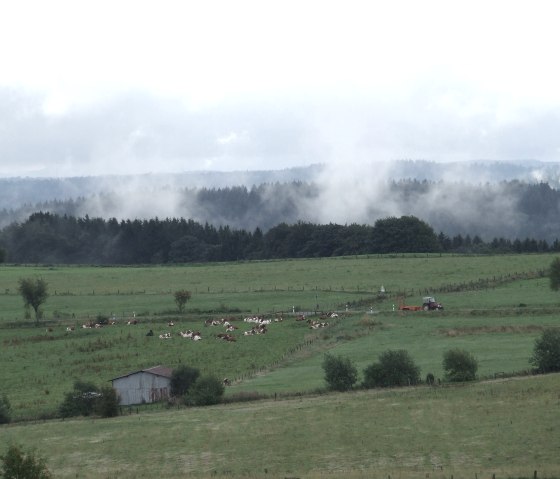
<point>69,328</point>
<point>227,382</point>
<point>170,324</point>
<point>165,336</point>
<point>132,321</point>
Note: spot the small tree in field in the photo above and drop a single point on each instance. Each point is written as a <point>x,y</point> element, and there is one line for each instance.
<point>459,365</point>
<point>34,294</point>
<point>340,373</point>
<point>395,368</point>
<point>16,464</point>
<point>546,354</point>
<point>181,298</point>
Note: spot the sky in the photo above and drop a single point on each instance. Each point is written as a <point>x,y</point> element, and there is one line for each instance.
<point>118,87</point>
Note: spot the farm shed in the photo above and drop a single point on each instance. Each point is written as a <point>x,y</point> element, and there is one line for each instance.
<point>144,386</point>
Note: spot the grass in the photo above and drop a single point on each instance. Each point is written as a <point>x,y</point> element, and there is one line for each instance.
<point>506,428</point>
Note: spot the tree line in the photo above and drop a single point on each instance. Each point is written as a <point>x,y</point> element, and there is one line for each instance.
<point>51,238</point>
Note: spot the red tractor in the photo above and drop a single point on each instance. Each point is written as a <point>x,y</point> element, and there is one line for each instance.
<point>429,303</point>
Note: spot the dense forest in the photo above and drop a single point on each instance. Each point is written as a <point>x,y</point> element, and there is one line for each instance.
<point>49,238</point>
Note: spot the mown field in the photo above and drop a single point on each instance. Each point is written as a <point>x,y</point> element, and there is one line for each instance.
<point>495,307</point>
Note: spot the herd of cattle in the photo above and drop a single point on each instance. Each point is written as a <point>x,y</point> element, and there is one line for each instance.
<point>259,325</point>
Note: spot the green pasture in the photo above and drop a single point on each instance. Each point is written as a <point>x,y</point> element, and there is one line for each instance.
<point>495,307</point>
<point>502,429</point>
<point>84,291</point>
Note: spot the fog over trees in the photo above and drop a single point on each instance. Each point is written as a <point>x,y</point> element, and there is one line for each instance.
<point>301,212</point>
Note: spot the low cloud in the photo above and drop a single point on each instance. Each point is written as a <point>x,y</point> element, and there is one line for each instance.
<point>138,133</point>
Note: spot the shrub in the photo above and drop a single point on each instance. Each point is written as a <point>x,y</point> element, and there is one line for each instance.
<point>16,464</point>
<point>205,391</point>
<point>394,368</point>
<point>546,353</point>
<point>80,401</point>
<point>340,373</point>
<point>5,410</point>
<point>182,379</point>
<point>459,365</point>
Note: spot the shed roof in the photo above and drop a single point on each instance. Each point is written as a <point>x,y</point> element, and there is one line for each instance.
<point>156,370</point>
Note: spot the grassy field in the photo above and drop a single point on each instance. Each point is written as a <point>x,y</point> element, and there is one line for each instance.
<point>495,307</point>
<point>506,428</point>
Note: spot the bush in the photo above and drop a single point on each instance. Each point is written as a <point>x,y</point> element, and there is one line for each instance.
<point>5,410</point>
<point>459,365</point>
<point>546,354</point>
<point>182,379</point>
<point>340,373</point>
<point>81,401</point>
<point>205,391</point>
<point>18,465</point>
<point>395,368</point>
<point>87,399</point>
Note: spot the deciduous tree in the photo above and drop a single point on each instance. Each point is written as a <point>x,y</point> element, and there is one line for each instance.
<point>546,354</point>
<point>459,365</point>
<point>181,298</point>
<point>340,372</point>
<point>182,379</point>
<point>394,368</point>
<point>34,293</point>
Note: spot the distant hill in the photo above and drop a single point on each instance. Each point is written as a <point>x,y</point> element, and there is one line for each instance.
<point>515,199</point>
<point>18,191</point>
